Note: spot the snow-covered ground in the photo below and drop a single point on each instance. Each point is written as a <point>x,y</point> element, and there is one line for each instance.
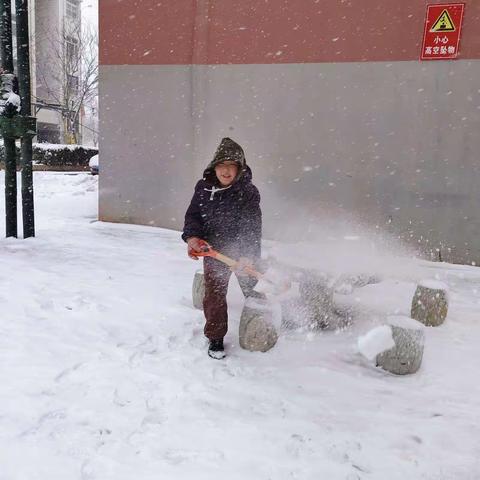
<point>104,373</point>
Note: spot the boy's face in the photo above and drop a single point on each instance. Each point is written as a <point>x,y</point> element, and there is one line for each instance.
<point>226,172</point>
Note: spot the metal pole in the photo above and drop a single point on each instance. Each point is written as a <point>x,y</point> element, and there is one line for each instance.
<point>6,50</point>
<point>23,62</point>
<point>6,36</point>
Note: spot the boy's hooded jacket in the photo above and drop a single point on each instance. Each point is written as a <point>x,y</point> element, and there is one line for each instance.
<point>228,218</point>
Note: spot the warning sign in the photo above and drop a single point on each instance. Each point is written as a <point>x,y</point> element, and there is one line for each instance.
<point>443,25</point>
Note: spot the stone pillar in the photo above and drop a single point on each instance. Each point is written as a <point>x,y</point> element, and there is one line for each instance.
<point>198,290</point>
<point>296,314</point>
<point>430,303</point>
<point>317,296</point>
<point>257,332</point>
<point>407,354</point>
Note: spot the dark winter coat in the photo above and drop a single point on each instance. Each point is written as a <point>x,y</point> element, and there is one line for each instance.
<point>229,218</point>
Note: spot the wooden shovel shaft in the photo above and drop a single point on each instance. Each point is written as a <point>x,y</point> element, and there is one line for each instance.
<point>210,252</point>
<point>229,261</point>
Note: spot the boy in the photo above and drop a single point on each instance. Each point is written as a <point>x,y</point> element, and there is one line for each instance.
<point>225,214</point>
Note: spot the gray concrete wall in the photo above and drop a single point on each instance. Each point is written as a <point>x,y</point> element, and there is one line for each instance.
<point>146,142</point>
<point>391,145</point>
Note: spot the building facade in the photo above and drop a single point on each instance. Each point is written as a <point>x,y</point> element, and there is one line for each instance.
<point>337,114</point>
<point>55,31</point>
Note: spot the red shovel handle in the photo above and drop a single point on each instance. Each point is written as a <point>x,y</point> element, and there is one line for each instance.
<point>207,251</point>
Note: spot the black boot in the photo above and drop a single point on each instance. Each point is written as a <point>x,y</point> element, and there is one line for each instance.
<point>216,350</point>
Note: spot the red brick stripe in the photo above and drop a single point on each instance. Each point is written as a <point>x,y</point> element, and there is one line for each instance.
<point>179,32</point>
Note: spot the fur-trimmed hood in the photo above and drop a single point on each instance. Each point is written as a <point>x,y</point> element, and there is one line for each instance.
<point>228,150</point>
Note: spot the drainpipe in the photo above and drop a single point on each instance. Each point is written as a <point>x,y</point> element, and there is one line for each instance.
<point>199,70</point>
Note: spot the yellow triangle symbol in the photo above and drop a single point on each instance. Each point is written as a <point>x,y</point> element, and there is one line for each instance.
<point>443,23</point>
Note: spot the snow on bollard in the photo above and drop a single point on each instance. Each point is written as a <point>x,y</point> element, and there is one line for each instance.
<point>406,356</point>
<point>317,297</point>
<point>257,332</point>
<point>376,341</point>
<point>198,289</point>
<point>430,303</point>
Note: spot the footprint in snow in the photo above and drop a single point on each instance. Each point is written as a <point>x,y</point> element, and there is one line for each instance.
<point>68,371</point>
<point>47,418</point>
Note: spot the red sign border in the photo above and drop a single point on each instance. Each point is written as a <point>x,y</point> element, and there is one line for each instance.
<point>450,57</point>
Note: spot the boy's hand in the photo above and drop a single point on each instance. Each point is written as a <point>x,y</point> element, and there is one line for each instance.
<point>196,245</point>
<point>242,266</point>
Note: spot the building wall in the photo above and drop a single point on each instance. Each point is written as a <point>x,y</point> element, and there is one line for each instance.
<point>47,26</point>
<point>337,115</point>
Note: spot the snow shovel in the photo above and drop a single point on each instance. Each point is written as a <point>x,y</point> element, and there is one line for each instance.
<point>257,332</point>
<point>266,284</point>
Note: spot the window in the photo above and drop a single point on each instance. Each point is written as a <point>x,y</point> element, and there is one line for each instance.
<point>72,48</point>
<point>73,9</point>
<point>72,84</point>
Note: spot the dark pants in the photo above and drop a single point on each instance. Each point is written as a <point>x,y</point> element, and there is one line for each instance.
<point>217,275</point>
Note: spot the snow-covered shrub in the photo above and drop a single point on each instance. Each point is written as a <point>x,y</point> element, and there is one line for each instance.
<point>63,155</point>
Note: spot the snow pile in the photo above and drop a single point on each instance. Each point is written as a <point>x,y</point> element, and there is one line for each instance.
<point>376,341</point>
<point>404,322</point>
<point>10,102</point>
<point>433,285</point>
<point>10,99</point>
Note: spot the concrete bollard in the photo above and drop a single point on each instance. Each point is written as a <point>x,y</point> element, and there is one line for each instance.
<point>346,284</point>
<point>198,290</point>
<point>256,331</point>
<point>297,314</point>
<point>430,303</point>
<point>407,354</point>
